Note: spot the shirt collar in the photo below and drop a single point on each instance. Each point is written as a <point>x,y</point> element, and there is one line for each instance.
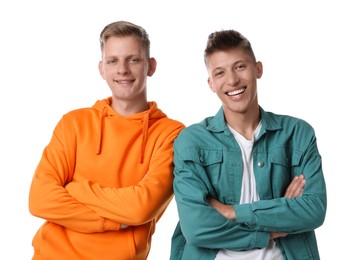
<point>268,120</point>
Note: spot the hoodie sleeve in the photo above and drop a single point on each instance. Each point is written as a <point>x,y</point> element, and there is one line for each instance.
<point>137,204</point>
<point>48,198</point>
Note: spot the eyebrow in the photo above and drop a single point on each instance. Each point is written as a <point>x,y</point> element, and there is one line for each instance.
<point>125,57</point>
<point>233,64</point>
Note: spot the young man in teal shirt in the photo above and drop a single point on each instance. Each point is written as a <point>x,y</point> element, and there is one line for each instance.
<point>248,183</point>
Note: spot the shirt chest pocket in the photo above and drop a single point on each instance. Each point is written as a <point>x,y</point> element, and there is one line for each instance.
<point>209,165</point>
<point>285,158</point>
<point>285,165</point>
<point>207,162</point>
<point>203,157</point>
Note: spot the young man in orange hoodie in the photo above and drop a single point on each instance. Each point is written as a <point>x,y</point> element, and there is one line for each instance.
<point>105,177</point>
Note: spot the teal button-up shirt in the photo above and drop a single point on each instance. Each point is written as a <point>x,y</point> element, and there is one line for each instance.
<point>208,162</point>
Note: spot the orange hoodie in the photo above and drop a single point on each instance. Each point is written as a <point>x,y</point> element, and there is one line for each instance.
<point>100,171</point>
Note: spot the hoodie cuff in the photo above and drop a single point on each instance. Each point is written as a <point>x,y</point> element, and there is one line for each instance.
<point>109,225</point>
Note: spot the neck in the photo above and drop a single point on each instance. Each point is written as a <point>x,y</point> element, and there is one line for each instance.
<point>129,108</point>
<point>244,123</point>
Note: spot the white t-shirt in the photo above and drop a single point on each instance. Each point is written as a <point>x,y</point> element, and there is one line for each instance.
<point>249,194</point>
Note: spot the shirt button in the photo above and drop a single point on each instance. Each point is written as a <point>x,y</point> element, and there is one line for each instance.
<point>260,164</point>
<point>201,159</point>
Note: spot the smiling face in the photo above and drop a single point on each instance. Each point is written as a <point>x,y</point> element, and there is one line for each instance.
<point>233,77</point>
<point>125,68</point>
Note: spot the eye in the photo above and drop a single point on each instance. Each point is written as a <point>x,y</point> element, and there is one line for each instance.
<point>134,60</point>
<point>111,61</point>
<point>240,66</point>
<point>218,74</point>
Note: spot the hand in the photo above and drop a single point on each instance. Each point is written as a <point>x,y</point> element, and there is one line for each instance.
<point>296,187</point>
<point>274,235</point>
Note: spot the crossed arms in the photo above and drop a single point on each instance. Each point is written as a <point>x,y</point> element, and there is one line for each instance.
<point>85,206</point>
<point>293,190</point>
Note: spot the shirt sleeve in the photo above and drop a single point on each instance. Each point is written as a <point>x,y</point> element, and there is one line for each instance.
<point>201,225</point>
<point>294,215</point>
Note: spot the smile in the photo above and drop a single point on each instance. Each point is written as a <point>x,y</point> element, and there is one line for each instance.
<point>123,81</point>
<point>236,92</point>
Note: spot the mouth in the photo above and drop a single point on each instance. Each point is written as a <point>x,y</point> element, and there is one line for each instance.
<point>236,92</point>
<point>126,81</point>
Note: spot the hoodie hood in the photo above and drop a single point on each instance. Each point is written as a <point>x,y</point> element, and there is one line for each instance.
<point>145,118</point>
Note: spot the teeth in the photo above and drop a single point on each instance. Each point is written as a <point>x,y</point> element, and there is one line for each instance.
<point>236,92</point>
<point>123,81</point>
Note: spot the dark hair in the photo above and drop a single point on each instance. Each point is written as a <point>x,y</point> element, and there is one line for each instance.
<point>123,28</point>
<point>226,40</point>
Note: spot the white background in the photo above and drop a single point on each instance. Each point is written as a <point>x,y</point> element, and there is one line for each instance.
<point>49,52</point>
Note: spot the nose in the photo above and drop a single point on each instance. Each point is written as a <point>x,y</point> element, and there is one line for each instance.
<point>233,78</point>
<point>122,68</point>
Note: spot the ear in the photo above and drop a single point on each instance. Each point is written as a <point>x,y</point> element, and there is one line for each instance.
<point>152,66</point>
<point>259,69</point>
<point>211,85</point>
<point>101,70</point>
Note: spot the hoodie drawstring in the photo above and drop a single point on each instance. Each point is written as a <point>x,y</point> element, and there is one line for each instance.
<point>102,126</point>
<point>144,134</point>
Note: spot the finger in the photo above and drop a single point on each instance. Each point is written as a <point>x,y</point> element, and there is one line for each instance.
<point>296,186</point>
<point>291,187</point>
<point>299,189</point>
<point>299,185</point>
